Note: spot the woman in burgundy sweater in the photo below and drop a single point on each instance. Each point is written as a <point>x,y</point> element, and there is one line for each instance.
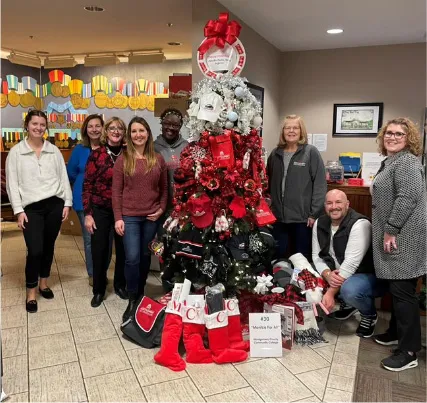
<point>140,193</point>
<point>97,207</point>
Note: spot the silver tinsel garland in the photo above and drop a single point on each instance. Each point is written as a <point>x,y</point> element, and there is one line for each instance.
<point>246,106</point>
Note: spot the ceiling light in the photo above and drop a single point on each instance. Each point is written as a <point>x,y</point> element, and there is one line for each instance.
<point>146,57</point>
<point>94,9</point>
<point>91,61</point>
<point>59,62</point>
<point>169,24</point>
<point>174,43</point>
<point>335,31</point>
<point>32,61</point>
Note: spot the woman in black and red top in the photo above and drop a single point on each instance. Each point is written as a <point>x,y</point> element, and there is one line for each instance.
<point>97,206</point>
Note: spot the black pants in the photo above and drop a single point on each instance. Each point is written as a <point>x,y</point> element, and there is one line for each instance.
<point>298,232</point>
<point>40,233</point>
<point>104,221</point>
<point>405,323</point>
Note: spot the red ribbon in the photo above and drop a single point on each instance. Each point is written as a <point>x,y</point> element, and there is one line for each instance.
<point>218,32</point>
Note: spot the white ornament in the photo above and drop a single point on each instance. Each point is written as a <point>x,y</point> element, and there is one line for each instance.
<point>221,223</point>
<point>232,116</point>
<point>263,282</point>
<point>239,92</point>
<point>229,125</point>
<point>246,159</point>
<point>257,121</point>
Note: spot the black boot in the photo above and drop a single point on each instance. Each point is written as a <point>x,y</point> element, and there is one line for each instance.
<point>133,298</point>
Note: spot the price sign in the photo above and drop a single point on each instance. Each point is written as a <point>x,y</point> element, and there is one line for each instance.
<point>265,335</point>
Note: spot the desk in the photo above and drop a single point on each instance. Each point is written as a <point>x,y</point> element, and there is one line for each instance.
<point>359,197</point>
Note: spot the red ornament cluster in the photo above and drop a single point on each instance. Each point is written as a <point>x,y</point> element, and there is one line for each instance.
<point>230,171</point>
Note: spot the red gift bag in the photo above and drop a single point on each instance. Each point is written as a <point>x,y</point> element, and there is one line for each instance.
<point>263,215</point>
<point>222,150</point>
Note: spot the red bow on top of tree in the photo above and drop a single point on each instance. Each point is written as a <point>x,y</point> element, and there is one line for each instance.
<point>220,31</point>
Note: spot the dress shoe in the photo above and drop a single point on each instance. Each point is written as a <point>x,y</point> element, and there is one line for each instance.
<point>46,293</point>
<point>97,300</point>
<point>122,293</point>
<point>31,306</point>
<point>130,307</point>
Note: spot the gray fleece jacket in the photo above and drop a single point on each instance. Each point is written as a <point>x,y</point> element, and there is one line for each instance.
<point>305,187</point>
<point>171,154</point>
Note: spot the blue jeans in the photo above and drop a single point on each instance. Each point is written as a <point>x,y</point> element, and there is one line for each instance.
<point>360,291</point>
<point>139,232</point>
<point>87,244</point>
<point>301,235</point>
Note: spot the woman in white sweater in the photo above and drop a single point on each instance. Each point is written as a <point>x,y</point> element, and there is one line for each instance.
<point>40,194</point>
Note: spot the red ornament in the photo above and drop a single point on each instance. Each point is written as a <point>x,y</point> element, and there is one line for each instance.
<point>250,185</point>
<point>222,149</point>
<point>237,206</point>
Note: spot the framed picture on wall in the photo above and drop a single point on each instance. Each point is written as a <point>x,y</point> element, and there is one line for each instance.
<point>258,93</point>
<point>357,120</point>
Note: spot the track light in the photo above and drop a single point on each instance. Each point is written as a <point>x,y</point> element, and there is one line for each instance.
<point>59,63</point>
<point>91,61</point>
<point>32,61</point>
<point>146,57</point>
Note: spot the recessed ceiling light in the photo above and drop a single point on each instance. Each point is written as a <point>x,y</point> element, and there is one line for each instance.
<point>335,31</point>
<point>94,9</point>
<point>174,43</point>
<point>169,24</point>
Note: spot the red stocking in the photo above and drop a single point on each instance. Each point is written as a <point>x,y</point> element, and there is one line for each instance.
<point>234,326</point>
<point>194,330</point>
<point>217,325</point>
<point>168,355</point>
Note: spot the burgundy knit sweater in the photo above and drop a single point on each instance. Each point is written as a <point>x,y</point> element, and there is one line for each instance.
<point>141,194</point>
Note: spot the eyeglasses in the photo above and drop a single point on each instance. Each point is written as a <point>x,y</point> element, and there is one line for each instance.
<point>288,129</point>
<point>115,129</point>
<point>397,135</point>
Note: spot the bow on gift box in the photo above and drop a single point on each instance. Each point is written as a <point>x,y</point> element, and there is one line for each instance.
<point>220,31</point>
<point>263,282</point>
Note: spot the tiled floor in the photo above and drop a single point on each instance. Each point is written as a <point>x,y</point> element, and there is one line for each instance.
<point>69,351</point>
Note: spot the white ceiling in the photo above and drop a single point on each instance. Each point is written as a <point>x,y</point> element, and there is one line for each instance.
<point>292,25</point>
<point>64,27</point>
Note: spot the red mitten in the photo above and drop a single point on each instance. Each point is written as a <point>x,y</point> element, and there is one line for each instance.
<point>217,325</point>
<point>234,326</point>
<point>194,330</point>
<point>168,355</point>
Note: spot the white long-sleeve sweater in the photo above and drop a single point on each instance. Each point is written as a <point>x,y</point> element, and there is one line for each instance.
<point>30,179</point>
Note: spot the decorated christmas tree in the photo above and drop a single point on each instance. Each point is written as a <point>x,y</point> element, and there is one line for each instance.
<point>218,230</point>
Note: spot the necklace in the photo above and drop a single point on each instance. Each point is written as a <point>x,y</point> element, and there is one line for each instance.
<point>112,155</point>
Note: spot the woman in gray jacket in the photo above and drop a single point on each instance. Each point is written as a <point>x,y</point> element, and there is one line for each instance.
<point>399,236</point>
<point>297,185</point>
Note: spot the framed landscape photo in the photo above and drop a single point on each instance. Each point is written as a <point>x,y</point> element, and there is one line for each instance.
<point>258,93</point>
<point>357,120</point>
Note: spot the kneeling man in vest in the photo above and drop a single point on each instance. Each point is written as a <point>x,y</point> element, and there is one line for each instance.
<point>342,254</point>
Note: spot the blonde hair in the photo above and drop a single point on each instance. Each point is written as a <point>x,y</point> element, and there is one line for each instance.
<point>129,154</point>
<point>413,137</point>
<point>303,131</point>
<point>107,124</point>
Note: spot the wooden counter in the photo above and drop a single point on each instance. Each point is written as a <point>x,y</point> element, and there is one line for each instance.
<point>359,197</point>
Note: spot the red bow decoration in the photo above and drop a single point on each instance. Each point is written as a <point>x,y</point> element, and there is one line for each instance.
<point>218,32</point>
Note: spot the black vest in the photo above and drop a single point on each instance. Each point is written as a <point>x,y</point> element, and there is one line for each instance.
<point>340,240</point>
